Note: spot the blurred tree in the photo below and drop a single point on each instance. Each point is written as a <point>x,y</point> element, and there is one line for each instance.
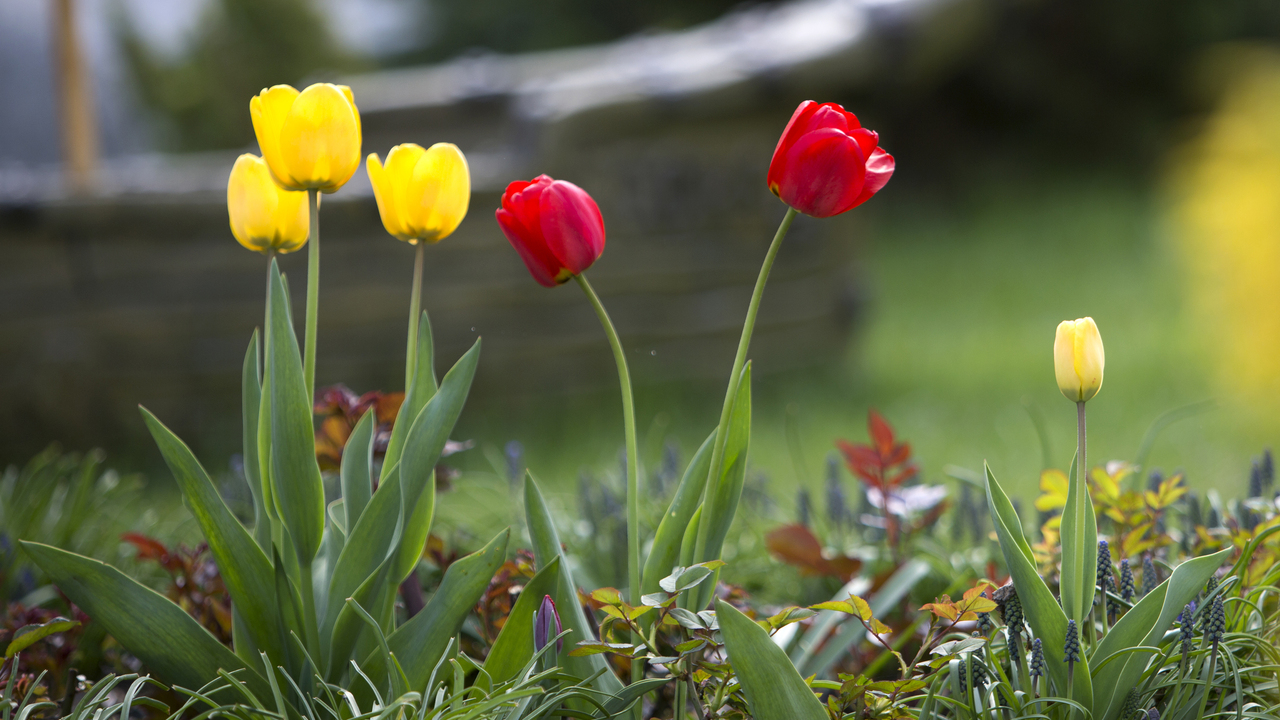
<point>202,97</point>
<point>509,26</point>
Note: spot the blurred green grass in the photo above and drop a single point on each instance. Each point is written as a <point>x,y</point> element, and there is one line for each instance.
<point>955,345</point>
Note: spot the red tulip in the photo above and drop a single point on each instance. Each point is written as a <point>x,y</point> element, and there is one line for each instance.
<point>554,225</point>
<point>826,163</point>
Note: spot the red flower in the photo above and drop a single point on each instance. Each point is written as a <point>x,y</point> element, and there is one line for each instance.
<point>554,225</point>
<point>826,163</point>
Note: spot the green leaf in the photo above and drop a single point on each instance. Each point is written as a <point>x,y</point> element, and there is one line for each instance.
<point>1045,616</point>
<point>513,649</point>
<point>423,445</point>
<point>28,635</point>
<point>416,395</point>
<point>1144,625</point>
<point>1079,550</point>
<point>296,485</point>
<point>722,496</point>
<point>665,552</point>
<point>419,644</point>
<point>160,634</point>
<point>245,570</point>
<point>357,469</point>
<point>546,547</point>
<point>618,704</point>
<point>775,691</point>
<point>250,400</point>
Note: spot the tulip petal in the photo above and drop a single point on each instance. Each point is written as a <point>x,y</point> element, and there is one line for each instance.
<point>268,110</point>
<point>399,178</point>
<point>263,216</point>
<point>320,139</point>
<point>801,115</point>
<point>823,173</point>
<point>542,265</point>
<point>442,183</point>
<point>827,115</point>
<point>879,170</point>
<point>572,225</point>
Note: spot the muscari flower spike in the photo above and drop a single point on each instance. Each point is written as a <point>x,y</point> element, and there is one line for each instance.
<point>1013,616</point>
<point>1127,589</point>
<point>1104,565</point>
<point>1215,623</point>
<point>1071,649</point>
<point>984,623</point>
<point>1130,705</point>
<point>1037,659</point>
<point>1187,629</point>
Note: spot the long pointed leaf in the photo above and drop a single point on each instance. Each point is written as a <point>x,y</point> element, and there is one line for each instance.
<point>297,487</point>
<point>1079,550</point>
<point>665,551</point>
<point>419,643</point>
<point>722,496</point>
<point>167,640</point>
<point>1045,616</point>
<point>245,570</point>
<point>546,547</point>
<point>356,473</point>
<point>775,691</point>
<point>416,395</point>
<point>250,399</point>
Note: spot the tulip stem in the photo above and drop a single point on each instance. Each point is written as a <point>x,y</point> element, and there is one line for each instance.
<point>735,378</point>
<point>633,457</point>
<point>313,294</point>
<point>415,309</point>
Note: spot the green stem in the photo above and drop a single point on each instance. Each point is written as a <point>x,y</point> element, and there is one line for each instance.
<point>415,309</point>
<point>1088,636</point>
<point>313,294</point>
<point>735,377</point>
<point>1208,680</point>
<point>633,456</point>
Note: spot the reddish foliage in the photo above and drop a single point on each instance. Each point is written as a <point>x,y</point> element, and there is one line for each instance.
<point>340,409</point>
<point>504,589</point>
<point>196,584</point>
<point>796,545</point>
<point>882,466</point>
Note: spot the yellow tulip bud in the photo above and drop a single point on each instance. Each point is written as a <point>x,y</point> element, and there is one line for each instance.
<point>422,194</point>
<point>310,139</point>
<point>264,216</point>
<point>1078,359</point>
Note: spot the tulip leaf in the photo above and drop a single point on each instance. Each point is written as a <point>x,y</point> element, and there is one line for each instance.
<point>28,635</point>
<point>546,547</point>
<point>1043,613</point>
<point>422,449</point>
<point>665,552</point>
<point>419,643</point>
<point>1079,549</point>
<point>723,495</point>
<point>1144,625</point>
<point>159,633</point>
<point>250,401</point>
<point>774,689</point>
<point>297,487</point>
<point>245,570</point>
<point>416,394</point>
<point>356,472</point>
<point>513,649</point>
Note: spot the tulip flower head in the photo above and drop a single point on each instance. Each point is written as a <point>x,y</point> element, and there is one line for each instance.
<point>264,216</point>
<point>554,225</point>
<point>310,139</point>
<point>546,625</point>
<point>422,194</point>
<point>826,163</point>
<point>1078,359</point>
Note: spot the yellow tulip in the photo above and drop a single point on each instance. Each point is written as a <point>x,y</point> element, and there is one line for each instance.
<point>1078,359</point>
<point>264,216</point>
<point>422,194</point>
<point>310,139</point>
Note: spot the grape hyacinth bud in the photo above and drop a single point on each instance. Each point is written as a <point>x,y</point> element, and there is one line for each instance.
<point>1071,649</point>
<point>1127,589</point>
<point>1149,579</point>
<point>978,669</point>
<point>837,507</point>
<point>1130,705</point>
<point>1187,631</point>
<point>1012,610</point>
<point>804,507</point>
<point>1268,469</point>
<point>544,620</point>
<point>1255,479</point>
<point>1215,623</point>
<point>1104,566</point>
<point>1037,659</point>
<point>984,623</point>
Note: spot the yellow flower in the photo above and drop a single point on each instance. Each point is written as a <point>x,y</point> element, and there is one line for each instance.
<point>422,194</point>
<point>1078,359</point>
<point>264,216</point>
<point>310,139</point>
